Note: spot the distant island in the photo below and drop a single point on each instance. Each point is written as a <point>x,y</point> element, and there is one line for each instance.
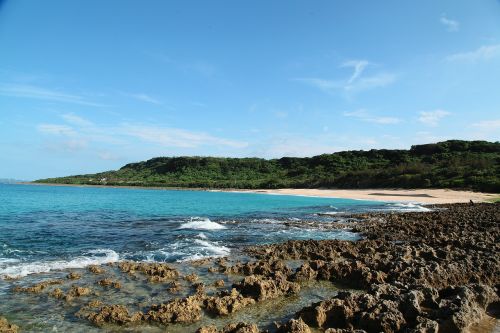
<point>10,181</point>
<point>454,164</point>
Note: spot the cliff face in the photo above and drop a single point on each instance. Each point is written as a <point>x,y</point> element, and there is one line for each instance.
<point>449,164</point>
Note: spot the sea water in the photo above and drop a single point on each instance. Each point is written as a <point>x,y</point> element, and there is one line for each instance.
<point>47,231</point>
<point>45,228</point>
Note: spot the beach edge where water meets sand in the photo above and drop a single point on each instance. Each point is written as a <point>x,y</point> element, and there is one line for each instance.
<point>423,196</point>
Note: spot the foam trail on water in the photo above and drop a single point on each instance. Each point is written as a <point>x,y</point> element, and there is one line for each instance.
<point>411,207</point>
<point>201,224</point>
<point>94,257</point>
<point>205,249</point>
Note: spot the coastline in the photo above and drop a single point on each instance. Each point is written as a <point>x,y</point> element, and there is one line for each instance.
<point>422,196</point>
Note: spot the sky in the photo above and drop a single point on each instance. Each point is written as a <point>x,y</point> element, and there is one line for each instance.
<point>90,85</point>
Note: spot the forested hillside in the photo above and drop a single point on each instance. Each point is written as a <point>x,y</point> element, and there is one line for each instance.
<point>450,164</point>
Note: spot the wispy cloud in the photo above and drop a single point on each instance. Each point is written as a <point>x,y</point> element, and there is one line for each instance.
<point>358,66</point>
<point>146,98</point>
<point>76,120</point>
<point>451,25</point>
<point>176,137</point>
<point>55,129</point>
<point>488,125</point>
<point>483,53</point>
<point>36,92</point>
<point>121,134</point>
<point>108,156</point>
<point>356,82</point>
<point>291,145</point>
<point>201,67</point>
<point>363,115</point>
<point>432,118</point>
<point>371,82</point>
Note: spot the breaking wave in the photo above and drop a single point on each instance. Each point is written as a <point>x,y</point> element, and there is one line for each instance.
<point>94,257</point>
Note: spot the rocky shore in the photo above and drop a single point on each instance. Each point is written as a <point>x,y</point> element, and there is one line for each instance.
<point>435,271</point>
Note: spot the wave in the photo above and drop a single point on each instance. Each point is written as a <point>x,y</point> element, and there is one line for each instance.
<point>197,223</point>
<point>409,206</point>
<point>206,249</point>
<point>330,213</point>
<point>94,257</point>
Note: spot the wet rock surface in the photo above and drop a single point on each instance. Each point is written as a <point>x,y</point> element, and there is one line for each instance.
<point>156,272</point>
<point>422,272</point>
<point>230,328</point>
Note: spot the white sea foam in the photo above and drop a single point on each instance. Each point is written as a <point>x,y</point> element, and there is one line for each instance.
<point>409,206</point>
<point>94,257</point>
<point>202,224</point>
<point>204,249</point>
<point>331,213</point>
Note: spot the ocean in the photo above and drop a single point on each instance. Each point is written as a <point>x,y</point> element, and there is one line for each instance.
<point>45,228</point>
<point>47,231</point>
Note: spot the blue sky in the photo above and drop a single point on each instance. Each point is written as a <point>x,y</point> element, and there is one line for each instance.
<point>88,86</point>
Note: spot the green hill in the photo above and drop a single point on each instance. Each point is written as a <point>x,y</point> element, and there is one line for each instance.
<point>451,164</point>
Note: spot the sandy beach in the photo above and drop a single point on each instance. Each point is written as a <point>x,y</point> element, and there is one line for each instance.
<point>425,196</point>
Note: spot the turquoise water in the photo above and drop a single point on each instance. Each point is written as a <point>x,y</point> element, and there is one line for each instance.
<point>46,228</point>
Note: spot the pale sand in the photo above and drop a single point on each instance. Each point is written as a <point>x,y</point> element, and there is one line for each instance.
<point>425,196</point>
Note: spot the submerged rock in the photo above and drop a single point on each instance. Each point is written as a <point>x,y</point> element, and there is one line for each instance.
<point>39,287</point>
<point>95,269</point>
<point>227,302</point>
<point>180,310</point>
<point>294,326</point>
<point>219,283</point>
<point>230,328</point>
<point>156,272</point>
<point>261,288</point>
<point>114,314</point>
<point>107,282</point>
<point>73,276</point>
<point>193,277</point>
<point>6,327</point>
<point>174,287</point>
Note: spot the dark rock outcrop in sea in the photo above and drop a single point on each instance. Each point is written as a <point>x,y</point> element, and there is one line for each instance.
<point>422,272</point>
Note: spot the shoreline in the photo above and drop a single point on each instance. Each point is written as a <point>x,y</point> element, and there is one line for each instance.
<point>421,196</point>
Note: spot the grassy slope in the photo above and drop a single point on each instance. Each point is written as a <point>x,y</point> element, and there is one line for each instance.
<point>450,164</point>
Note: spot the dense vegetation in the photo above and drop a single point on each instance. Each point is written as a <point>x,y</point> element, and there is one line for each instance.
<point>450,164</point>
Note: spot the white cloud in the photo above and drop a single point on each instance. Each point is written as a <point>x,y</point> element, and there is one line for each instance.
<point>328,86</point>
<point>292,146</point>
<point>146,98</point>
<point>484,53</point>
<point>451,25</point>
<point>76,120</point>
<point>365,116</point>
<point>55,129</point>
<point>358,65</point>
<point>35,92</point>
<point>108,156</point>
<point>432,118</point>
<point>355,83</point>
<point>67,146</point>
<point>175,137</point>
<point>488,125</point>
<point>370,82</point>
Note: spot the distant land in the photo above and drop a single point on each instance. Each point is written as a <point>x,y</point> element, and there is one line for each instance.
<point>453,164</point>
<point>10,181</point>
